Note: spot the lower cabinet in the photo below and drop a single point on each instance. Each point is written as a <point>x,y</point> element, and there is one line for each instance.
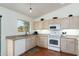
<point>30,42</point>
<point>37,40</point>
<point>42,41</point>
<point>15,47</point>
<point>18,46</point>
<point>69,45</point>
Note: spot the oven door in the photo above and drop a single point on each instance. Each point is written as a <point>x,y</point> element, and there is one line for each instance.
<point>54,42</point>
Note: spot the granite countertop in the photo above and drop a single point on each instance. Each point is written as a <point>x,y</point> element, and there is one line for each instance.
<point>16,37</point>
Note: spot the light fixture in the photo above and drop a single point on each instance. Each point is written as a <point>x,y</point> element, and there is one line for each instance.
<point>30,7</point>
<point>30,10</point>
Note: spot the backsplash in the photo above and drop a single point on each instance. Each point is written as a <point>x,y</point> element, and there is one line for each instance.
<point>71,31</point>
<point>68,31</point>
<point>42,31</point>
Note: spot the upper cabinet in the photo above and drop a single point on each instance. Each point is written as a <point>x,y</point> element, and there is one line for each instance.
<point>36,25</point>
<point>66,23</point>
<point>74,22</point>
<point>70,23</point>
<point>55,21</point>
<point>39,25</point>
<point>45,24</point>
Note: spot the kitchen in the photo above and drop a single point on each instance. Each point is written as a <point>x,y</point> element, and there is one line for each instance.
<point>58,34</point>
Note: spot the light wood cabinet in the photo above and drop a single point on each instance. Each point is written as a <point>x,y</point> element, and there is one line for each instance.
<point>45,24</point>
<point>70,22</point>
<point>63,44</point>
<point>15,47</point>
<point>55,21</point>
<point>37,40</point>
<point>36,25</point>
<point>65,23</point>
<point>43,41</point>
<point>69,45</point>
<point>40,25</point>
<point>30,42</point>
<point>74,22</point>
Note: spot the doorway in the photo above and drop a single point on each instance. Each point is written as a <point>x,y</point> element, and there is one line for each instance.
<point>0,34</point>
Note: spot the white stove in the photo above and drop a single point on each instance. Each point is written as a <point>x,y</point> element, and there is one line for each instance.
<point>54,40</point>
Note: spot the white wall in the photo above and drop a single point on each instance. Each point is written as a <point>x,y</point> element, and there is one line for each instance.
<point>8,25</point>
<point>62,12</point>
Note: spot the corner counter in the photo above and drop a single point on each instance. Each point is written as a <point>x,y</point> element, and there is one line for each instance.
<point>18,44</point>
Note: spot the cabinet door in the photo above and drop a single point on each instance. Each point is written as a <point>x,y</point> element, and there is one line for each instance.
<point>43,41</point>
<point>55,21</point>
<point>63,45</point>
<point>46,42</point>
<point>30,42</point>
<point>70,45</point>
<point>37,25</point>
<point>33,41</point>
<point>45,24</point>
<point>20,46</point>
<point>65,23</point>
<point>74,22</point>
<point>37,40</point>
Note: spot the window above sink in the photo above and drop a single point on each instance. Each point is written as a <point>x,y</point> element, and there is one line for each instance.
<point>23,26</point>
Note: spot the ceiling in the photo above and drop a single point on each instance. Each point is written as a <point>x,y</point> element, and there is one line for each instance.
<point>38,9</point>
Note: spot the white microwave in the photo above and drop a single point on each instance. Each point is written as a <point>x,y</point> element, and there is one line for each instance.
<point>54,27</point>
